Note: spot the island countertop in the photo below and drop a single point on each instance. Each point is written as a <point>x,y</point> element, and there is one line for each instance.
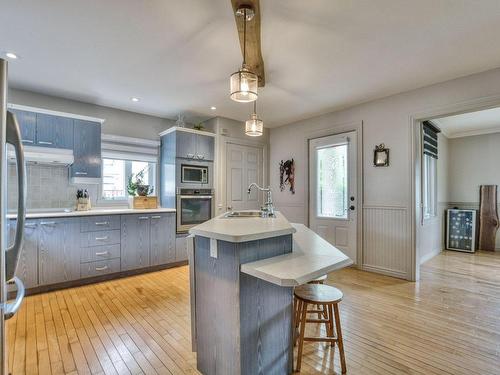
<point>312,257</point>
<point>243,229</point>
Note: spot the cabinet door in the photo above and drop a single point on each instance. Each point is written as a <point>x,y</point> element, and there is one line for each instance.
<point>205,147</point>
<point>54,131</point>
<point>27,266</point>
<point>27,123</point>
<point>135,240</point>
<point>87,149</point>
<point>162,239</point>
<point>59,255</point>
<point>185,144</point>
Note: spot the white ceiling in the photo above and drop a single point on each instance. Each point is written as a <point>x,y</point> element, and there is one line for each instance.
<point>472,123</point>
<point>177,56</point>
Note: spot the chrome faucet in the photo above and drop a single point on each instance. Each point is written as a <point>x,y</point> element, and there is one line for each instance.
<point>268,208</point>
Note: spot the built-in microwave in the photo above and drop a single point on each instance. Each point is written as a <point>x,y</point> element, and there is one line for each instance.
<point>194,174</point>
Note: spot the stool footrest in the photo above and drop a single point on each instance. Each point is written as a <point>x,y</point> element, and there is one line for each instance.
<point>317,321</point>
<point>321,339</point>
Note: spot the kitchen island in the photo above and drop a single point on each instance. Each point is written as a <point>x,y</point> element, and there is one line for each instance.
<point>243,273</point>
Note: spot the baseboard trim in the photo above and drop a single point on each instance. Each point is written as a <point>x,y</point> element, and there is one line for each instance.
<point>429,256</point>
<point>98,279</point>
<point>385,271</point>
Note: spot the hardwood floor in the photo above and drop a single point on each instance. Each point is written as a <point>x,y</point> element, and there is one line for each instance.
<point>448,323</point>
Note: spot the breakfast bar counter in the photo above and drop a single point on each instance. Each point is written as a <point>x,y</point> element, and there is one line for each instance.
<point>243,270</point>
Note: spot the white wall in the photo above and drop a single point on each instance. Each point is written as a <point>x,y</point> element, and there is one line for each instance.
<point>386,190</point>
<point>117,121</point>
<point>475,161</point>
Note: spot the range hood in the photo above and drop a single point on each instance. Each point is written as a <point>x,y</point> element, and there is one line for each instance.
<point>44,155</point>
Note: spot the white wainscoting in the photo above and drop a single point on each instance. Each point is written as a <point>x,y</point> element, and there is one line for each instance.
<point>386,240</point>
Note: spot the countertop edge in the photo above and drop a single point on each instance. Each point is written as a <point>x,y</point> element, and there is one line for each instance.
<point>97,212</point>
<point>242,238</point>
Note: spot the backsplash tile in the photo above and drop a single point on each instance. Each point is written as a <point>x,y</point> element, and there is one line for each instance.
<point>48,187</point>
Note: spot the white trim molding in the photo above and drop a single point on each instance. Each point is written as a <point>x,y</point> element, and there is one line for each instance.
<point>54,113</point>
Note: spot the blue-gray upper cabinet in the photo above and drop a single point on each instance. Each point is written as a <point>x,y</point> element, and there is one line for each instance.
<point>54,131</point>
<point>185,144</point>
<point>86,149</point>
<point>205,147</point>
<point>162,238</point>
<point>135,241</point>
<point>194,146</point>
<point>27,266</point>
<point>58,250</point>
<point>27,123</point>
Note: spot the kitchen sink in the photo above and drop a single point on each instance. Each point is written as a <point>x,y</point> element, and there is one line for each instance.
<point>243,214</point>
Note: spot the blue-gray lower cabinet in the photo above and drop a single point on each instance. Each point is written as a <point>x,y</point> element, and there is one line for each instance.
<point>58,255</point>
<point>135,239</point>
<point>27,123</point>
<point>86,149</point>
<point>27,266</point>
<point>162,239</point>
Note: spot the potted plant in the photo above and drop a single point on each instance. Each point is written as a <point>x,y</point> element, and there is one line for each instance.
<point>136,186</point>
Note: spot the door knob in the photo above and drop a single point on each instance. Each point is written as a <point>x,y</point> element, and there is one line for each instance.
<point>352,208</point>
<point>229,208</point>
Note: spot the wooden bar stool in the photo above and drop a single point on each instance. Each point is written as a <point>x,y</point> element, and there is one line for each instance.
<point>320,310</point>
<point>328,297</point>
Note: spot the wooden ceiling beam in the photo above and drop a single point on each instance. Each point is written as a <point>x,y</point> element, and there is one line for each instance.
<point>254,54</point>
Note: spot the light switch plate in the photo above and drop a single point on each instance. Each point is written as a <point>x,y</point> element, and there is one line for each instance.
<point>213,248</point>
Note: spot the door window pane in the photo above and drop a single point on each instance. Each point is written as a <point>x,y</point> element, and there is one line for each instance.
<point>332,181</point>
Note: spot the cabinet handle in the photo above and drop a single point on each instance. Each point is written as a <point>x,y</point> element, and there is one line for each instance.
<point>191,156</point>
<point>44,143</point>
<point>155,217</point>
<point>201,157</point>
<point>101,268</point>
<point>99,254</point>
<point>29,225</point>
<point>143,217</point>
<point>48,223</point>
<point>101,238</point>
<point>27,141</point>
<point>102,223</point>
<point>81,173</point>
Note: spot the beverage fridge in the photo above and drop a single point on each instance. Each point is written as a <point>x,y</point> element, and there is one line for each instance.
<point>9,256</point>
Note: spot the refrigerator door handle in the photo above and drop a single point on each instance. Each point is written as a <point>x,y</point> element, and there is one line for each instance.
<point>12,253</point>
<point>11,308</point>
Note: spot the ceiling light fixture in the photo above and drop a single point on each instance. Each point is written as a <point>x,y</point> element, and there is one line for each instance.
<point>254,127</point>
<point>213,108</point>
<point>11,55</point>
<point>244,82</point>
<point>134,99</point>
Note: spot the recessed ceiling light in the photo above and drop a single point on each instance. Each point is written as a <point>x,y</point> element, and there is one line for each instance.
<point>134,99</point>
<point>11,55</point>
<point>213,108</point>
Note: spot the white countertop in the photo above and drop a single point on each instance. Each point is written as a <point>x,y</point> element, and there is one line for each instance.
<point>243,229</point>
<point>311,258</point>
<point>92,212</point>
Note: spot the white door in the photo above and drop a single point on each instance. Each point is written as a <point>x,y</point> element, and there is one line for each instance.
<point>243,166</point>
<point>333,190</point>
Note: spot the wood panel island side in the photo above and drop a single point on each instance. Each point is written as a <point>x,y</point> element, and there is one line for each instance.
<point>241,301</point>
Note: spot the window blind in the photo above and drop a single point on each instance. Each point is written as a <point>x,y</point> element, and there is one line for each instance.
<point>430,139</point>
<point>128,148</point>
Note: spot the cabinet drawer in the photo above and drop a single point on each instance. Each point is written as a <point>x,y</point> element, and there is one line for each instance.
<point>91,254</point>
<point>105,237</point>
<point>99,223</point>
<point>102,267</point>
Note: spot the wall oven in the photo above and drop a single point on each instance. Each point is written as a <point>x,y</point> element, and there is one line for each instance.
<point>194,206</point>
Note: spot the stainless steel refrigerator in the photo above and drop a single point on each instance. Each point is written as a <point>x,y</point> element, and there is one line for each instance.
<point>9,256</point>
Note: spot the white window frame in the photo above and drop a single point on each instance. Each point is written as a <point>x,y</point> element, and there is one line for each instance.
<point>429,187</point>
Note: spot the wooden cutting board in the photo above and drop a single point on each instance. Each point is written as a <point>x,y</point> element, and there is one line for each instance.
<point>488,217</point>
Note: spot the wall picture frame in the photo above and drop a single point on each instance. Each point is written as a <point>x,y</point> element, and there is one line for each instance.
<point>381,156</point>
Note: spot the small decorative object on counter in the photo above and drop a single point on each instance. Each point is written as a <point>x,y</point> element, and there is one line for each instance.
<point>136,186</point>
<point>381,156</point>
<point>287,175</point>
<point>143,202</point>
<point>83,200</point>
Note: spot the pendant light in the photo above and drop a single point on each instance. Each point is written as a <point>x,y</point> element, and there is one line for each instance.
<point>244,82</point>
<point>254,127</point>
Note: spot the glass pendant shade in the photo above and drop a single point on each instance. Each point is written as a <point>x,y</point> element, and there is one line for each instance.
<point>244,85</point>
<point>254,127</point>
